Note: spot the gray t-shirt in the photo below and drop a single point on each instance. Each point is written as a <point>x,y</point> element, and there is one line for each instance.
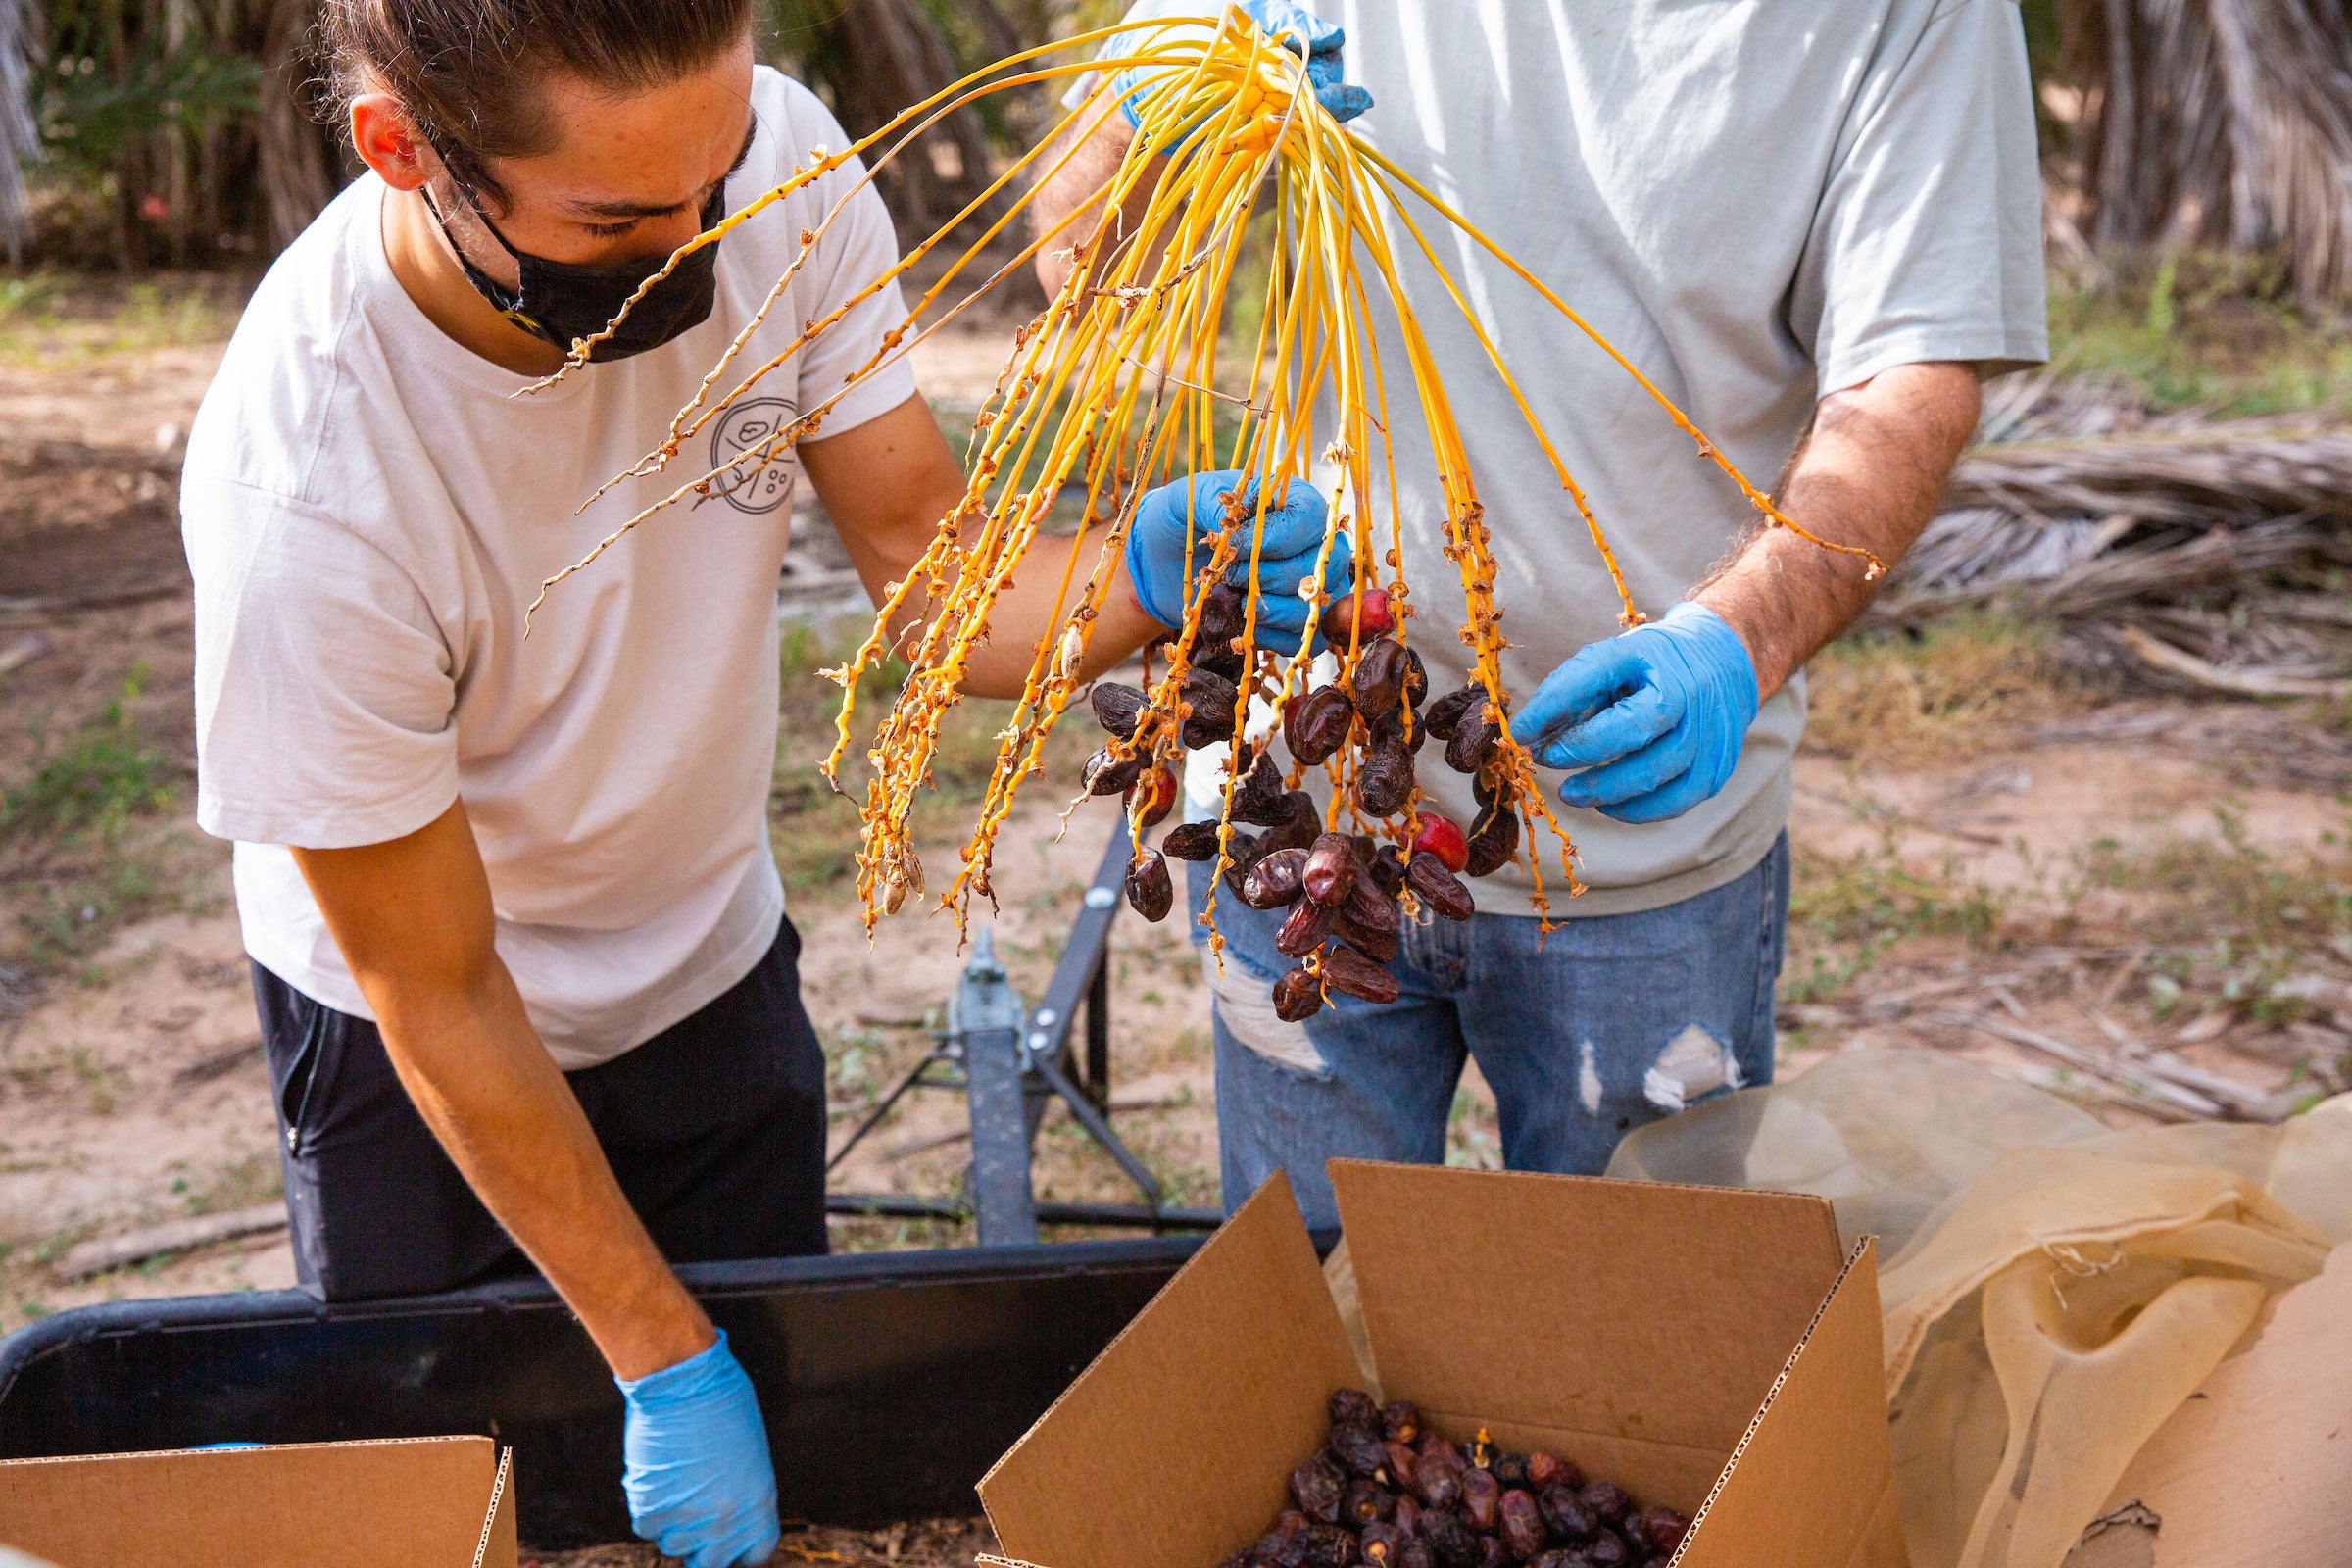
<point>1760,205</point>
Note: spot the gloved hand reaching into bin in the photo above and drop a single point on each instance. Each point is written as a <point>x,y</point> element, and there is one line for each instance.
<point>697,1473</point>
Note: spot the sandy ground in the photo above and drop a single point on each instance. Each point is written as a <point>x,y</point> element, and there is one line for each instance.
<point>131,1089</point>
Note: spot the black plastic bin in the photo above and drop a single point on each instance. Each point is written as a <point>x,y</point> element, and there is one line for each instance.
<point>890,1381</point>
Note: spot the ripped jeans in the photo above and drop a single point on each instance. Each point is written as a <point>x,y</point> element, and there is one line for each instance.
<point>1617,1020</point>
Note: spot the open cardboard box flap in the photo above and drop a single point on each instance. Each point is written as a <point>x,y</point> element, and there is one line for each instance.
<point>1708,1350</point>
<point>411,1502</point>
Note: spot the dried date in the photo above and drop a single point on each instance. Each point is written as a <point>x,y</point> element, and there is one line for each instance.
<point>1446,712</point>
<point>1358,1448</point>
<point>1307,928</point>
<point>1346,969</point>
<point>1608,1501</point>
<point>1149,888</point>
<point>1385,783</point>
<point>1117,708</point>
<point>1442,892</point>
<point>1387,871</point>
<point>1367,1502</point>
<point>1382,668</point>
<point>1510,1469</point>
<point>1606,1551</point>
<point>1222,610</point>
<point>1315,724</point>
<point>1657,1532</point>
<point>1450,1539</point>
<point>1400,1463</point>
<point>1370,908</point>
<point>1106,773</point>
<point>1495,841</point>
<point>1298,996</point>
<point>1475,736</point>
<point>1354,1407</point>
<point>1331,867</point>
<point>1190,841</point>
<point>1258,798</point>
<point>1565,1516</point>
<point>1482,1494</point>
<point>1550,1470</point>
<point>1400,1422</point>
<point>1276,881</point>
<point>1520,1524</point>
<point>1381,947</point>
<point>1318,1486</point>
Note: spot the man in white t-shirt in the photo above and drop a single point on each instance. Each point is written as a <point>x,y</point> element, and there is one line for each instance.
<point>1815,227</point>
<point>526,987</point>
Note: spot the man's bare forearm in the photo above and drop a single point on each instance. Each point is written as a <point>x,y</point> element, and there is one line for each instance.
<point>413,920</point>
<point>1869,475</point>
<point>1080,184</point>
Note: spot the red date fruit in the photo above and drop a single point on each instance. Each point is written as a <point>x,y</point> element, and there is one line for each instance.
<point>1409,1514</point>
<point>1451,1540</point>
<point>1440,888</point>
<point>1446,713</point>
<point>1149,889</point>
<point>1306,929</point>
<point>1353,617</point>
<point>1382,668</point>
<point>1494,843</point>
<point>1482,1494</point>
<point>1475,737</point>
<point>1567,1518</point>
<point>1660,1531</point>
<point>1154,795</point>
<point>1401,1421</point>
<point>1606,1551</point>
<point>1315,724</point>
<point>1520,1524</point>
<point>1329,869</point>
<point>1440,1489</point>
<point>1436,1448</point>
<point>1386,781</point>
<point>1367,1502</point>
<point>1192,840</point>
<point>1276,882</point>
<point>1258,798</point>
<point>1359,1449</point>
<point>1298,996</point>
<point>1221,612</point>
<point>1550,1470</point>
<point>1105,774</point>
<point>1606,1499</point>
<point>1441,838</point>
<point>1117,708</point>
<point>1346,969</point>
<point>1354,1407</point>
<point>1317,1487</point>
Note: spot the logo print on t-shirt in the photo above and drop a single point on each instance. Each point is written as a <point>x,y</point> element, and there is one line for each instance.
<point>756,485</point>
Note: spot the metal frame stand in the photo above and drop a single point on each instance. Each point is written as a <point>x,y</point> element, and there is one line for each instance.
<point>1009,1063</point>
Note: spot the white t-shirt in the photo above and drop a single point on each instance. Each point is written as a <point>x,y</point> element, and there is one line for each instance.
<point>1759,205</point>
<point>368,514</point>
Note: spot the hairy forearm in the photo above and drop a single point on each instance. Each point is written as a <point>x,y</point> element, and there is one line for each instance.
<point>1078,182</point>
<point>1868,476</point>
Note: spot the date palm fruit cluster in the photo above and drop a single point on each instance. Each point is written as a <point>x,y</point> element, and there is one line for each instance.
<point>1347,894</point>
<point>1388,1492</point>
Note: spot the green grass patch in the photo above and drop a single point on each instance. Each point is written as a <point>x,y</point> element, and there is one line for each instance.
<point>2214,331</point>
<point>66,320</point>
<point>1936,694</point>
<point>1845,912</point>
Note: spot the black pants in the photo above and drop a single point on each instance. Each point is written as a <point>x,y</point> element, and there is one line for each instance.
<point>715,1128</point>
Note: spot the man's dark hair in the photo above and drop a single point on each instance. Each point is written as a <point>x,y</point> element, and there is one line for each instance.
<point>469,72</point>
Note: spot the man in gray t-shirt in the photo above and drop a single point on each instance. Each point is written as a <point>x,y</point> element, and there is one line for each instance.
<point>1815,227</point>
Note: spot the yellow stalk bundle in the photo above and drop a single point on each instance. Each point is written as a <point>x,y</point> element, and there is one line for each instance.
<point>1115,388</point>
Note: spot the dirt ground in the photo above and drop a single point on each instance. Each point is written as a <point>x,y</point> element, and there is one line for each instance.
<point>2158,874</point>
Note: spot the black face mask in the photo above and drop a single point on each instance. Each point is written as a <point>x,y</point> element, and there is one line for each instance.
<point>562,302</point>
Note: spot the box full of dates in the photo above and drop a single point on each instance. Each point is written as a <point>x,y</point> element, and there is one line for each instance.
<point>1572,1373</point>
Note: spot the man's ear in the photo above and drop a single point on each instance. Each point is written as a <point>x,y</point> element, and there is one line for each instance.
<point>388,141</point>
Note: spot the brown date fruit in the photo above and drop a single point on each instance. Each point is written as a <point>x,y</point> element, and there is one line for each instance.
<point>1210,697</point>
<point>1440,890</point>
<point>1221,611</point>
<point>1288,1523</point>
<point>1567,1518</point>
<point>1560,1557</point>
<point>1149,889</point>
<point>1475,737</point>
<point>1606,1499</point>
<point>1401,1421</point>
<point>1391,726</point>
<point>1367,1502</point>
<point>1307,927</point>
<point>1105,774</point>
<point>1354,1407</point>
<point>1606,1551</point>
<point>1346,969</point>
<point>1387,871</point>
<point>1190,841</point>
<point>1492,1555</point>
<point>1435,1447</point>
<point>1550,1470</point>
<point>1381,671</point>
<point>1258,800</point>
<point>1300,826</point>
<point>1381,947</point>
<point>1452,1541</point>
<point>1482,1494</point>
<point>1400,1464</point>
<point>1350,618</point>
<point>1315,724</point>
<point>1298,996</point>
<point>1275,882</point>
<point>1359,1449</point>
<point>1416,679</point>
<point>1117,708</point>
<point>1520,1524</point>
<point>1408,1512</point>
<point>1276,1551</point>
<point>1494,843</point>
<point>1386,781</point>
<point>1660,1531</point>
<point>1444,715</point>
<point>1415,1553</point>
<point>1440,1489</point>
<point>1381,1539</point>
<point>1510,1469</point>
<point>1331,867</point>
<point>1222,660</point>
<point>1317,1487</point>
<point>1329,1547</point>
<point>1241,852</point>
<point>1370,908</point>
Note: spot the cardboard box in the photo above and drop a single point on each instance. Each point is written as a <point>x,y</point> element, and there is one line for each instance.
<point>411,1502</point>
<point>1708,1350</point>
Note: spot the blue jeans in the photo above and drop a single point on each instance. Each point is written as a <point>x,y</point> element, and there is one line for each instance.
<point>1617,1020</point>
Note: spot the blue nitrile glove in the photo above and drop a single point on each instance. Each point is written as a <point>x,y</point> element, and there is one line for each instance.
<point>1295,26</point>
<point>697,1473</point>
<point>1286,552</point>
<point>1656,715</point>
